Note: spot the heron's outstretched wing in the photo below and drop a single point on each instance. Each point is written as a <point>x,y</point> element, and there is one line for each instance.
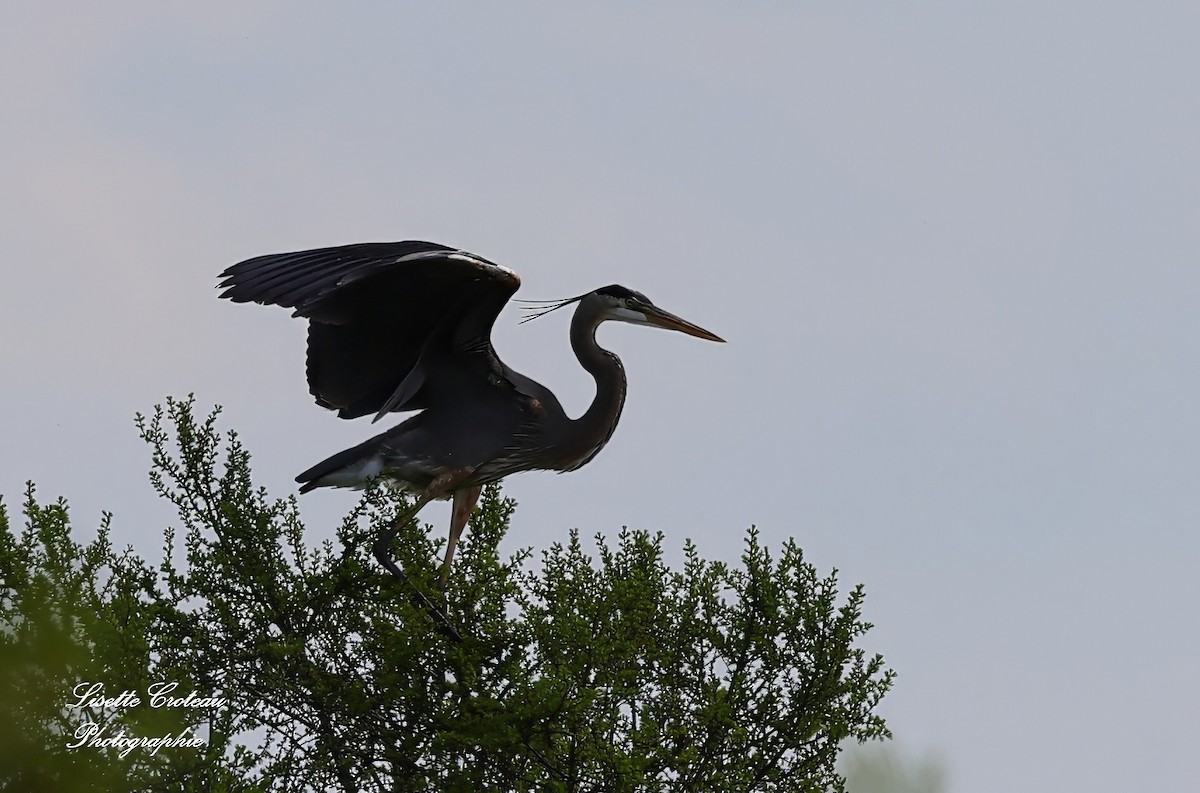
<point>392,325</point>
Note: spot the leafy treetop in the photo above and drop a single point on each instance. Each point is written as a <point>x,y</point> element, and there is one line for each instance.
<point>593,670</point>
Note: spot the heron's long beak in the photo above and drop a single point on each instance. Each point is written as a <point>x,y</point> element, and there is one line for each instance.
<point>665,319</point>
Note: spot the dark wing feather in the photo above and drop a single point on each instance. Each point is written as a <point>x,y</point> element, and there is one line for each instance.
<point>392,325</point>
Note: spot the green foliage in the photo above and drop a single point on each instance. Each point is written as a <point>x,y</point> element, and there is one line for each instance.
<point>882,769</point>
<point>610,672</point>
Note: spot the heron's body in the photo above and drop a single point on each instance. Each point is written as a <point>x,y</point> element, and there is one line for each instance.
<point>406,326</point>
<point>494,433</point>
<point>417,451</point>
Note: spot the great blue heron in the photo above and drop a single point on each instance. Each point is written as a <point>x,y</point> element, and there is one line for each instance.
<point>401,326</point>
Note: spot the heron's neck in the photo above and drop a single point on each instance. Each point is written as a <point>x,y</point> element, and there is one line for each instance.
<point>592,430</point>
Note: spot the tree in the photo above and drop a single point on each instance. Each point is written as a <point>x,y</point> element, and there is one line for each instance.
<point>315,670</point>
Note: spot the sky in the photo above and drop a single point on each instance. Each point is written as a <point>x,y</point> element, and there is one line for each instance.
<point>952,248</point>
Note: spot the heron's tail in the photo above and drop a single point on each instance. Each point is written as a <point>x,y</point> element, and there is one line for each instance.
<point>353,467</point>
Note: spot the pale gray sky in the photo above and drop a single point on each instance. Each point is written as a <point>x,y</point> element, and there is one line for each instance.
<point>952,246</point>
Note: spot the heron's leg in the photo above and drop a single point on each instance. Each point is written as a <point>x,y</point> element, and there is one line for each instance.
<point>464,502</point>
<point>384,541</point>
<point>440,486</point>
<point>382,548</point>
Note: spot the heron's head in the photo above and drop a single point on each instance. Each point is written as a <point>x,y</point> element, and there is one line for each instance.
<point>622,304</point>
